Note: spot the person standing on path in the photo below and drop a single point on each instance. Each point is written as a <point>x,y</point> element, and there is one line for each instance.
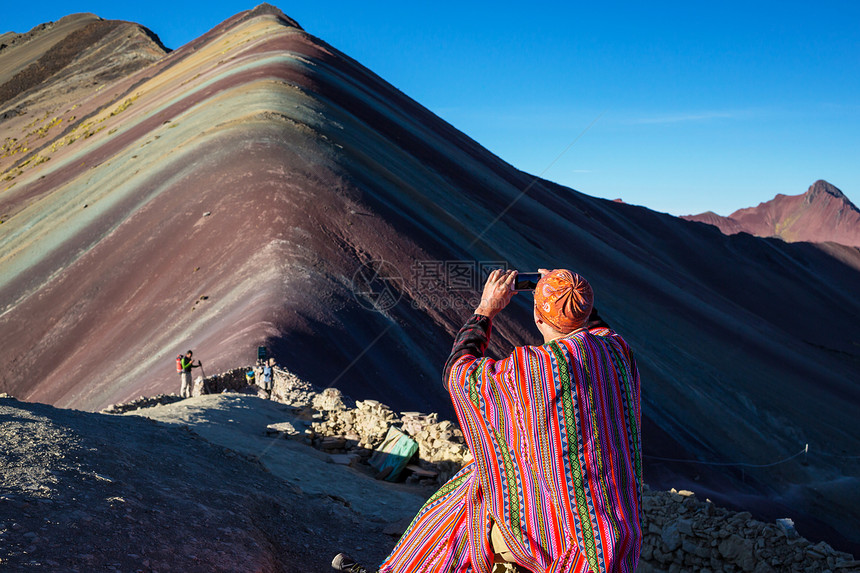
<point>186,363</point>
<point>268,375</point>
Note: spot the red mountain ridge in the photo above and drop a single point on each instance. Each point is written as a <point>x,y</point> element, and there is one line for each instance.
<point>822,214</point>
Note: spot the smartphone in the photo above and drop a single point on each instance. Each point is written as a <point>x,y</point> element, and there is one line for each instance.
<point>526,281</point>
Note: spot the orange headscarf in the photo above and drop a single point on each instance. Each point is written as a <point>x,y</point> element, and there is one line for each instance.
<point>564,300</point>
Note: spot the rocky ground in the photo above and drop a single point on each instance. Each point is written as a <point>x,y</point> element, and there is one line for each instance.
<point>683,533</point>
<point>237,478</point>
<point>90,492</point>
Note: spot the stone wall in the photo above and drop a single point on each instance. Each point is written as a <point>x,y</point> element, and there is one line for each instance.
<point>142,402</point>
<point>288,388</point>
<point>229,381</point>
<point>342,427</point>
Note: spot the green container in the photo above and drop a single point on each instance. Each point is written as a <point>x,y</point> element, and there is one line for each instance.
<point>395,452</point>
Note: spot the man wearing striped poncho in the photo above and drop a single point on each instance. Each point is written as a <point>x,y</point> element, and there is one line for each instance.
<point>554,430</point>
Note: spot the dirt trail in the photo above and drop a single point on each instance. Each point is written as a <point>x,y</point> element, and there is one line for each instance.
<point>239,421</point>
<point>93,492</point>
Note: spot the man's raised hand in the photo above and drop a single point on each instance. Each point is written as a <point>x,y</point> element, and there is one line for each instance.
<point>497,292</point>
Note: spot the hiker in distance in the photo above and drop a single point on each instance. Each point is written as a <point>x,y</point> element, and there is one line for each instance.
<point>184,364</point>
<point>268,375</point>
<point>554,430</point>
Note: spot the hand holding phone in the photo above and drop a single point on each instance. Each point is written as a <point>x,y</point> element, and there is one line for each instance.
<point>497,293</point>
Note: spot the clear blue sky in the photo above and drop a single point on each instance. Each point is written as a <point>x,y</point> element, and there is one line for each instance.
<point>698,106</point>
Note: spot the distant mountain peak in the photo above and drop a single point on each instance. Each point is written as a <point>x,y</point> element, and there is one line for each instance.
<point>813,216</point>
<point>63,50</point>
<point>822,187</point>
<point>79,16</point>
<point>265,9</point>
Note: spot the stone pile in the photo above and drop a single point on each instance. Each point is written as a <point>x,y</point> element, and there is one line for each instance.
<point>287,388</point>
<point>229,381</point>
<point>346,430</point>
<point>357,431</point>
<point>441,445</point>
<point>366,424</point>
<point>683,533</point>
<point>332,400</point>
<point>142,402</point>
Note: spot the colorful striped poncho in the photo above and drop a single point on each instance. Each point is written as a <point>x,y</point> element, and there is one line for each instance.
<point>555,435</point>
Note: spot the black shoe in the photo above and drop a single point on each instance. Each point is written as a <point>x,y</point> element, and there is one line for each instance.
<point>343,562</point>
